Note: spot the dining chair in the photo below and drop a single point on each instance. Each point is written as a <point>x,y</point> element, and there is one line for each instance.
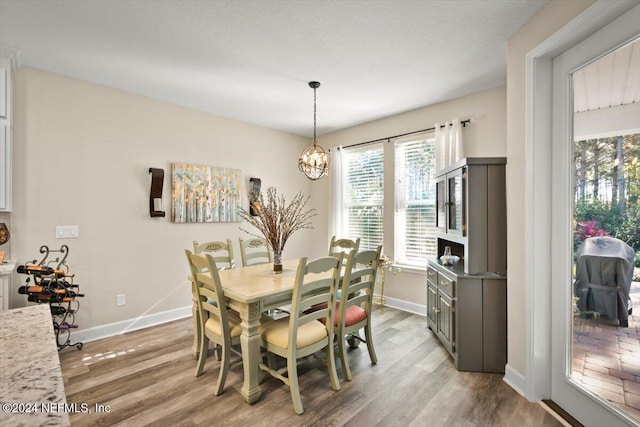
<point>217,323</point>
<point>255,251</point>
<point>221,252</point>
<point>343,246</point>
<point>302,334</point>
<point>354,311</point>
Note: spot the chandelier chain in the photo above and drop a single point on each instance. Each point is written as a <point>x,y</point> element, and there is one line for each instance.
<point>314,116</point>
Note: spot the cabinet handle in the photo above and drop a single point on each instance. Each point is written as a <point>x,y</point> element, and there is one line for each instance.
<point>443,283</point>
<point>435,310</point>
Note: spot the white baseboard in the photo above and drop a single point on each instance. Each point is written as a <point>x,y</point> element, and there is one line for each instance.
<point>515,379</point>
<point>141,322</point>
<point>407,306</point>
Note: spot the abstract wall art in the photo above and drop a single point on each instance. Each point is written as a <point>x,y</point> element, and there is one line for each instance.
<point>205,193</point>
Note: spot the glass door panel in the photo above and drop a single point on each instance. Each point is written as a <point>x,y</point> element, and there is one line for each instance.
<point>456,211</point>
<point>441,204</point>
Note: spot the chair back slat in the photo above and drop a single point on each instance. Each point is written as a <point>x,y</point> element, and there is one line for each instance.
<point>208,288</point>
<point>310,290</point>
<point>221,252</point>
<point>337,246</point>
<point>255,251</point>
<point>359,280</point>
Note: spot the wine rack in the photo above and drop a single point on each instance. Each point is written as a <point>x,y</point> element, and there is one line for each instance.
<point>50,282</point>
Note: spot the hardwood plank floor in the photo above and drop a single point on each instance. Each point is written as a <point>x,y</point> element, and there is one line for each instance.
<point>147,378</point>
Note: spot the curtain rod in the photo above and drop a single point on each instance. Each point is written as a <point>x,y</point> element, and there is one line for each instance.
<point>463,122</point>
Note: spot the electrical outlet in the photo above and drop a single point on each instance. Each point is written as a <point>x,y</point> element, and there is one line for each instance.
<point>120,299</point>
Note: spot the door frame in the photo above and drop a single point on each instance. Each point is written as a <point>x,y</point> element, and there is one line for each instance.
<point>540,208</point>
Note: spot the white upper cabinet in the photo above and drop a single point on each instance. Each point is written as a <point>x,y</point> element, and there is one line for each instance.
<point>5,134</point>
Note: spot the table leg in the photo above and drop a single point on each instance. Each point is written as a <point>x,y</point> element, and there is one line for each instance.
<point>196,324</point>
<point>250,343</point>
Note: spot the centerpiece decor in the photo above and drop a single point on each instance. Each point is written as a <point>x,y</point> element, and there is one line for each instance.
<point>277,220</point>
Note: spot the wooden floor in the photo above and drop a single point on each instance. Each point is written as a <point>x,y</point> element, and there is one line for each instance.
<point>147,378</point>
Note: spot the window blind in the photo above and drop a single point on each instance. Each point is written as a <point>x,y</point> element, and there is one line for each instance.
<point>415,238</point>
<point>364,195</point>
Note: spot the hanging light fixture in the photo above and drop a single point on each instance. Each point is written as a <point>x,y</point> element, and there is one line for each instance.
<point>314,161</point>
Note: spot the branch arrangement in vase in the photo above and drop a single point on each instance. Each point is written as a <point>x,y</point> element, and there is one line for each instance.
<point>277,220</point>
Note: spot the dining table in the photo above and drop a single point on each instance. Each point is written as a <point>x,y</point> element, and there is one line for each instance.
<point>252,291</point>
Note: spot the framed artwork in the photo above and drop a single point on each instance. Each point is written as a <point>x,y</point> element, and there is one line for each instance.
<point>205,193</point>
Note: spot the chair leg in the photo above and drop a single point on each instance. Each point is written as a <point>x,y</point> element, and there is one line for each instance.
<point>196,332</point>
<point>292,373</point>
<point>369,335</point>
<point>204,343</point>
<point>224,368</point>
<point>331,365</point>
<point>342,348</point>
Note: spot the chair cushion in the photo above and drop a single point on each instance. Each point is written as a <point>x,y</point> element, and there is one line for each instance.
<point>353,315</point>
<point>276,332</point>
<point>212,324</point>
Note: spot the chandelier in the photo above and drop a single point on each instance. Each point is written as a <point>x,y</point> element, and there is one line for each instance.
<point>314,161</point>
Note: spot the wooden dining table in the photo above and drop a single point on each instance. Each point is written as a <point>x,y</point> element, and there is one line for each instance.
<point>252,291</point>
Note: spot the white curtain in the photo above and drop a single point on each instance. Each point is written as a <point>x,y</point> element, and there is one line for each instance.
<point>449,146</point>
<point>441,146</point>
<point>336,201</point>
<point>457,152</point>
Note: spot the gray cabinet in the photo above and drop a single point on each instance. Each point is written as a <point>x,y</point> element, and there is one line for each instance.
<point>467,301</point>
<point>468,313</point>
<point>471,213</point>
<point>440,291</point>
<point>450,202</point>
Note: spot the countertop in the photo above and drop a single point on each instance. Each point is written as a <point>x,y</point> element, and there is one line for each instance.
<point>31,386</point>
<point>458,270</point>
<point>7,267</point>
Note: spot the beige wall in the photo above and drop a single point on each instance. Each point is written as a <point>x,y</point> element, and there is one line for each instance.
<point>485,137</point>
<point>81,157</point>
<point>549,20</point>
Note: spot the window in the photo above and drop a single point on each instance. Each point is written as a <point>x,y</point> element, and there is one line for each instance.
<point>363,195</point>
<point>415,239</point>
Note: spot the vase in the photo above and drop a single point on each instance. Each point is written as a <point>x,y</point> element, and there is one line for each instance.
<point>277,261</point>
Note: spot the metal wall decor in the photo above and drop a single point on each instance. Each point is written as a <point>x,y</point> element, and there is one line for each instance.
<point>155,194</point>
<point>254,193</point>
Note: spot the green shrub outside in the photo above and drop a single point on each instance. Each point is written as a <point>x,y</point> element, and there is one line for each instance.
<point>618,223</point>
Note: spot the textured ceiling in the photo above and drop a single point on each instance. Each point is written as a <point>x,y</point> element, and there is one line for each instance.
<point>251,59</point>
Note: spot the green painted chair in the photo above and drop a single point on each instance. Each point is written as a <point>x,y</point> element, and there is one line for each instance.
<point>221,252</point>
<point>354,312</point>
<point>301,334</point>
<point>255,251</point>
<point>216,322</point>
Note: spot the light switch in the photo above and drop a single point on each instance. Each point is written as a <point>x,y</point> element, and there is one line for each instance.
<point>66,231</point>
